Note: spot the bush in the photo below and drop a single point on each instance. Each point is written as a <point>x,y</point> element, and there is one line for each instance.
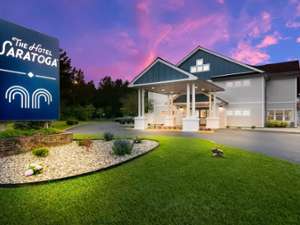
<point>27,125</point>
<point>137,140</point>
<point>40,152</point>
<point>253,127</point>
<point>85,143</point>
<point>108,136</point>
<point>122,147</point>
<point>72,121</point>
<point>227,126</point>
<point>276,123</point>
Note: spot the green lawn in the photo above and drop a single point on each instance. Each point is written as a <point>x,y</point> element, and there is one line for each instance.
<point>178,183</point>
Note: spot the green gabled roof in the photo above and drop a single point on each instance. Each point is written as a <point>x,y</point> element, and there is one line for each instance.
<point>161,71</point>
<point>219,65</point>
<point>199,98</point>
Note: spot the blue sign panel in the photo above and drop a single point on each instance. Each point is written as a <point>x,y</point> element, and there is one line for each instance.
<point>29,74</point>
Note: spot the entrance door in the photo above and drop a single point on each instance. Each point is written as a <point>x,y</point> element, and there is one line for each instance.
<point>203,113</point>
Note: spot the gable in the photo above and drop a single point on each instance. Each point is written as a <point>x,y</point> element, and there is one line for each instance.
<point>161,71</point>
<point>206,65</point>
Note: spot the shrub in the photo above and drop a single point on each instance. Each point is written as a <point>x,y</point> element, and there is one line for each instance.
<point>9,133</point>
<point>276,123</point>
<point>253,127</point>
<point>227,126</point>
<point>122,147</point>
<point>108,136</point>
<point>72,121</point>
<point>27,125</point>
<point>137,140</point>
<point>40,152</point>
<point>85,143</point>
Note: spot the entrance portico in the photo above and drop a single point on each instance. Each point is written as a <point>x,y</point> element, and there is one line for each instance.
<point>166,85</point>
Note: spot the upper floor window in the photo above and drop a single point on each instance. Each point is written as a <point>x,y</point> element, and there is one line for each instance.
<point>238,83</point>
<point>200,67</point>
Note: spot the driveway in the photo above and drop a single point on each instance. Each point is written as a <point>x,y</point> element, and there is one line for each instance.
<point>285,146</point>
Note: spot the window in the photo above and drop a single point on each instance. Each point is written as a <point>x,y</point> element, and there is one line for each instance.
<point>246,83</point>
<point>199,68</point>
<point>229,84</point>
<point>238,113</point>
<point>246,113</point>
<point>229,113</point>
<point>271,115</point>
<point>287,115</point>
<point>206,67</point>
<point>199,62</point>
<point>282,115</point>
<point>193,69</point>
<point>279,115</point>
<point>237,83</point>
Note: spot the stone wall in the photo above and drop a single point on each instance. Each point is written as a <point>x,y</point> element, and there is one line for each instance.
<point>10,146</point>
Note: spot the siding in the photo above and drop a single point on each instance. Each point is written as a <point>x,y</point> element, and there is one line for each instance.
<point>244,98</point>
<point>218,65</point>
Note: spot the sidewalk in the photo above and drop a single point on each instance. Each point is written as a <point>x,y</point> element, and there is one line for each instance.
<point>275,130</point>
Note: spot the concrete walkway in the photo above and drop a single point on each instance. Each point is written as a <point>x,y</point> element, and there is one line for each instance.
<point>281,145</point>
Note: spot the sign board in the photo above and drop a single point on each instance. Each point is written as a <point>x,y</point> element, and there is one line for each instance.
<point>29,74</point>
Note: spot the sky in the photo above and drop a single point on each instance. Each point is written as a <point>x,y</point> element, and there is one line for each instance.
<point>119,38</point>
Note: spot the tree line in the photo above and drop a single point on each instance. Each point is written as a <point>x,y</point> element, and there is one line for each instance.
<point>84,100</point>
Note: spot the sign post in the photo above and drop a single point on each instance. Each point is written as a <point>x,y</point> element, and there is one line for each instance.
<point>29,74</point>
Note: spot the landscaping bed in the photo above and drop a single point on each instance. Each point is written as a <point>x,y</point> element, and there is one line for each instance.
<point>67,161</point>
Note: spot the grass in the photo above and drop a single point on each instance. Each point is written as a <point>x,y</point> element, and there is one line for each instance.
<point>79,136</point>
<point>178,183</point>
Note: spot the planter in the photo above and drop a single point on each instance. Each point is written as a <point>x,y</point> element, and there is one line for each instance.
<point>15,145</point>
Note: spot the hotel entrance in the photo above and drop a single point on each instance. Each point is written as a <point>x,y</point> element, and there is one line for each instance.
<point>203,114</point>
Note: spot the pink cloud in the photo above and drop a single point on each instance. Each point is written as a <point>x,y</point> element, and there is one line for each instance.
<point>268,41</point>
<point>173,4</point>
<point>292,24</point>
<point>298,40</point>
<point>249,54</point>
<point>260,25</point>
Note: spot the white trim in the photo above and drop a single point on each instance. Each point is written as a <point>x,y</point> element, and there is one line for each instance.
<point>218,55</point>
<point>229,74</point>
<point>263,103</point>
<point>296,108</point>
<point>237,103</point>
<point>190,76</point>
<point>280,102</point>
<point>160,82</point>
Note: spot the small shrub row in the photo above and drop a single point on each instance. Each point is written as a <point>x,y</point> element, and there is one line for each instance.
<point>122,147</point>
<point>40,152</point>
<point>124,120</point>
<point>276,123</point>
<point>72,122</point>
<point>108,136</point>
<point>9,133</point>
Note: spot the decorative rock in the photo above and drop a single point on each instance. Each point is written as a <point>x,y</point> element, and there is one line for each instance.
<point>29,172</point>
<point>65,161</point>
<point>217,152</point>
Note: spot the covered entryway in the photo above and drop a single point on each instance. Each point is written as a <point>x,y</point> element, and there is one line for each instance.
<point>166,79</point>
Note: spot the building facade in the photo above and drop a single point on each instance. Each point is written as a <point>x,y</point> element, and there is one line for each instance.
<point>209,90</point>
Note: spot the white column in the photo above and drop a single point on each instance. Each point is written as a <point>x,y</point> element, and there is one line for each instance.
<point>188,95</point>
<point>209,104</point>
<point>215,106</point>
<point>139,102</point>
<point>193,100</point>
<point>143,102</point>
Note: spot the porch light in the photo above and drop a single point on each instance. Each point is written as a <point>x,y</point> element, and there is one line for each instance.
<point>202,89</point>
<point>171,92</point>
<point>196,87</point>
<point>180,108</point>
<point>162,89</point>
<point>152,88</point>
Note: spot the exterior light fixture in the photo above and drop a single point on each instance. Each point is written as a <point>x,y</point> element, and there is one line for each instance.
<point>162,89</point>
<point>202,89</point>
<point>152,88</point>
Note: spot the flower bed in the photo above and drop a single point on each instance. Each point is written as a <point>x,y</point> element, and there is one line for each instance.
<point>15,145</point>
<point>67,161</point>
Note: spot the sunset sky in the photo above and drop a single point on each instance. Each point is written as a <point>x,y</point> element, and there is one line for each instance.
<point>121,37</point>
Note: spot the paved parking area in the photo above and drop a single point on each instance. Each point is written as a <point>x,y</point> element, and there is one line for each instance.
<point>281,145</point>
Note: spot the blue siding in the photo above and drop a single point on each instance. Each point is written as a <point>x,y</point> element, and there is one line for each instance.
<point>218,65</point>
<point>160,72</point>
